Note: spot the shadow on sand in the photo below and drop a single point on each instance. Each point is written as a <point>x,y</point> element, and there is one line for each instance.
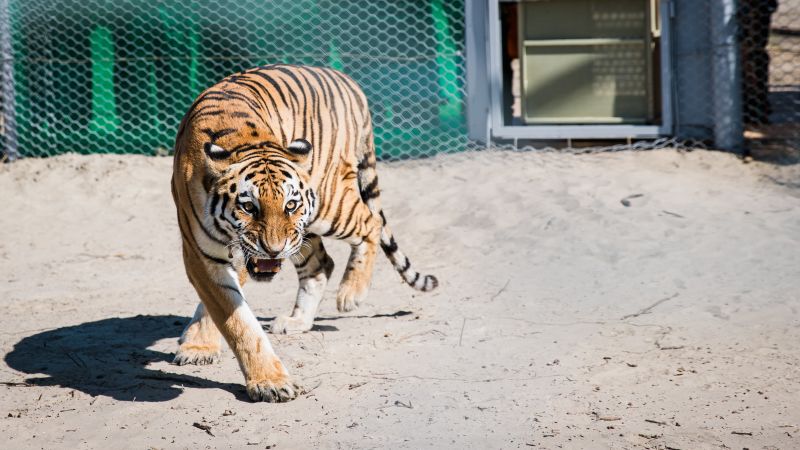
<point>109,357</point>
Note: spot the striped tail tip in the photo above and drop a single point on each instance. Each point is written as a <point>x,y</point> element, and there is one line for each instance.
<point>423,283</point>
<point>401,263</point>
<point>430,283</point>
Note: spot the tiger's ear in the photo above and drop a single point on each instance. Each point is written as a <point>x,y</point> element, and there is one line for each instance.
<point>300,153</point>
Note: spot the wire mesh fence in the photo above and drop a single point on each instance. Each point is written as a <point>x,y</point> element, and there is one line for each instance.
<point>100,76</point>
<point>769,40</point>
<point>97,76</point>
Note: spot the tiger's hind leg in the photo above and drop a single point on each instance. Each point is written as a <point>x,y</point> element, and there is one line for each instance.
<point>363,231</point>
<point>201,341</point>
<point>363,239</point>
<point>314,268</point>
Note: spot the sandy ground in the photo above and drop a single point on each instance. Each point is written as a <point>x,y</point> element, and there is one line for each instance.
<point>564,318</point>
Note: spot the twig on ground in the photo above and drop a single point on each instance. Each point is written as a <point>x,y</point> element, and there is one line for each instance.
<point>673,214</point>
<point>121,256</point>
<point>163,377</point>
<point>597,416</point>
<point>312,389</point>
<point>497,294</point>
<point>15,383</point>
<point>657,422</point>
<point>669,347</point>
<point>626,202</point>
<point>649,436</point>
<point>320,341</point>
<point>664,333</point>
<point>742,433</point>
<point>409,336</point>
<point>76,359</point>
<point>649,308</point>
<point>204,427</point>
<point>398,403</point>
<point>461,335</point>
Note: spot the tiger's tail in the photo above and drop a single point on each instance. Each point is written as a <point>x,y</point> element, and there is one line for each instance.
<point>370,194</point>
<point>402,264</point>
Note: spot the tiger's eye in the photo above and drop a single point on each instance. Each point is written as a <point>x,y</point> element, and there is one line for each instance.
<point>249,207</point>
<point>291,205</point>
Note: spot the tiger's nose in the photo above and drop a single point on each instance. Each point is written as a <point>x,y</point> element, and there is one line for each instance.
<point>268,249</point>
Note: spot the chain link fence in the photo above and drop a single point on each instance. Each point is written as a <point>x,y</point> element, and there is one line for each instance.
<point>769,41</point>
<point>97,76</point>
<point>105,76</point>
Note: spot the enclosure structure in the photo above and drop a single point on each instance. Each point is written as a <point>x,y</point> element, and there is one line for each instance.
<point>441,75</point>
<point>633,69</point>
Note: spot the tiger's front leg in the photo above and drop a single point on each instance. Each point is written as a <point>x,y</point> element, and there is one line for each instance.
<point>220,291</point>
<point>314,268</point>
<point>201,342</point>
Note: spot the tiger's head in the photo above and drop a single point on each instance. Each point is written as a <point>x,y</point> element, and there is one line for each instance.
<point>264,205</point>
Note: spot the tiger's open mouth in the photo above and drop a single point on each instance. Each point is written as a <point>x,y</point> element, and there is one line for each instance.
<point>263,269</point>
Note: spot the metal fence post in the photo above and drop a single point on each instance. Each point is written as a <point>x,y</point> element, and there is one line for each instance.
<point>477,95</point>
<point>726,76</point>
<point>9,96</point>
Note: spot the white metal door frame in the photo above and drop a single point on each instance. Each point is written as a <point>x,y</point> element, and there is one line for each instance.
<point>495,77</point>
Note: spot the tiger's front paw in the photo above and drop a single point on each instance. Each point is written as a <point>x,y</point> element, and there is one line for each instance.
<point>287,324</point>
<point>197,354</point>
<point>273,391</point>
<point>350,296</point>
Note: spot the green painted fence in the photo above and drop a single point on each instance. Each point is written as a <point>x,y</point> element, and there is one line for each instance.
<point>101,76</point>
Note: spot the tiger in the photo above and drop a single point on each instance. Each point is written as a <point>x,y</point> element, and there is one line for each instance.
<point>267,162</point>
